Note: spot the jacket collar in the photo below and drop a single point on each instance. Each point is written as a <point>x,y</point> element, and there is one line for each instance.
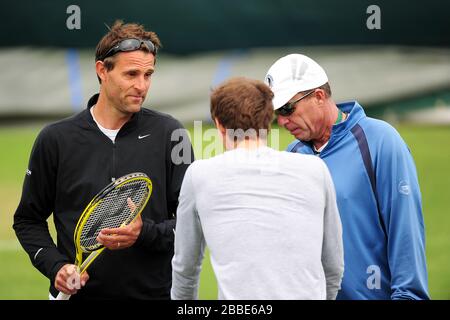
<point>355,114</point>
<point>127,126</point>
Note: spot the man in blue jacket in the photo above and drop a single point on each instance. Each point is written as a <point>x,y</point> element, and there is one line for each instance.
<point>377,188</point>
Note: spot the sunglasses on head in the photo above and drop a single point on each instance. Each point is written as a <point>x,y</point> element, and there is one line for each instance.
<point>289,107</point>
<point>129,45</point>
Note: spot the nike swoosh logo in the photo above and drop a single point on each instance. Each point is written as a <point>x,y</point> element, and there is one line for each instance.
<point>142,137</point>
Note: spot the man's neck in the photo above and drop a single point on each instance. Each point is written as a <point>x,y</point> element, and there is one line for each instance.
<point>108,116</point>
<point>331,119</point>
<point>248,144</point>
<point>320,142</point>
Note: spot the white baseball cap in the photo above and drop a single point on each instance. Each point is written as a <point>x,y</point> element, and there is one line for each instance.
<point>292,74</point>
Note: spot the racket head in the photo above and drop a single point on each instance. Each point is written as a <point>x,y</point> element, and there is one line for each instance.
<point>109,209</point>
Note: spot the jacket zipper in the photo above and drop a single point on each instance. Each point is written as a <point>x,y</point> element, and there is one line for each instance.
<point>113,173</point>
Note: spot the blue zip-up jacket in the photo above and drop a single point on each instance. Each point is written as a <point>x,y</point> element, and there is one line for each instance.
<point>379,201</point>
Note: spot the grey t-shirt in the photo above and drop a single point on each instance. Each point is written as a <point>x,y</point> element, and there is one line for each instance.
<point>270,221</point>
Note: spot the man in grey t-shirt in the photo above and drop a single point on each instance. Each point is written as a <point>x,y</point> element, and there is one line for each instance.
<point>269,218</point>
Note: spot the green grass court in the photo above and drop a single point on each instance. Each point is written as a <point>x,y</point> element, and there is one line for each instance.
<point>429,146</point>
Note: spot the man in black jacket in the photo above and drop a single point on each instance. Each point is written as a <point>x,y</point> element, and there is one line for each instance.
<point>75,158</point>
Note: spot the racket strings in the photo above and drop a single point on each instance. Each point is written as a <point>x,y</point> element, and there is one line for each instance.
<point>112,212</point>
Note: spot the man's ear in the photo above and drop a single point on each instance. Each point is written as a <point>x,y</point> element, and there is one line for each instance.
<point>101,70</point>
<point>220,127</point>
<point>320,95</point>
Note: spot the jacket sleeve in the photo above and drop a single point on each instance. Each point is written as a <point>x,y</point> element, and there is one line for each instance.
<point>189,245</point>
<point>36,205</point>
<point>401,209</point>
<point>179,155</point>
<point>332,246</point>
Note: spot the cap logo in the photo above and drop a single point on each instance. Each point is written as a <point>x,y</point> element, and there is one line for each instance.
<point>269,80</point>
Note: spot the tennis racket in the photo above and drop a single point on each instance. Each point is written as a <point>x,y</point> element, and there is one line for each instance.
<point>108,209</point>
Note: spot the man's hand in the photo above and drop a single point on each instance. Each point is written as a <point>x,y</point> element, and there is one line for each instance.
<point>68,280</point>
<point>124,237</point>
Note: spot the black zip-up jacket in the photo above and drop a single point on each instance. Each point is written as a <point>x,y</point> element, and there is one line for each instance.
<point>71,161</point>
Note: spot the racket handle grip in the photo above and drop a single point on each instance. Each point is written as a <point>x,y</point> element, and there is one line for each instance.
<point>63,296</point>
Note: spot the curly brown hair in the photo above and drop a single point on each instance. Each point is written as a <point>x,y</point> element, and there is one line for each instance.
<point>242,103</point>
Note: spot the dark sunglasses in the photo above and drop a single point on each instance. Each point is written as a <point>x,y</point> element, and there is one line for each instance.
<point>289,107</point>
<point>129,45</point>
